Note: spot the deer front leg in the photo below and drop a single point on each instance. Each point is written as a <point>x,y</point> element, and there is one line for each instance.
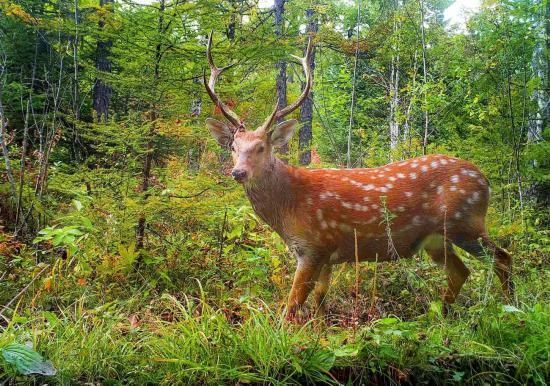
<point>321,288</point>
<point>304,280</point>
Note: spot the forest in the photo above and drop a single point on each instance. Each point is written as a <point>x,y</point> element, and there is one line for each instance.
<point>130,255</point>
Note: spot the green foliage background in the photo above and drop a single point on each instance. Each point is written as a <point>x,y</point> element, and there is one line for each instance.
<point>201,302</point>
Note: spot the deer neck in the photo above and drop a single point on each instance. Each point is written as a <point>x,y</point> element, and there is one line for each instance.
<point>272,195</point>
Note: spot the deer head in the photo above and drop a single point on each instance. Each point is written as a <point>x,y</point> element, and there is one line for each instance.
<point>252,150</point>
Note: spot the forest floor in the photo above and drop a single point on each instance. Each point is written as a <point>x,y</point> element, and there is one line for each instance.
<point>196,308</point>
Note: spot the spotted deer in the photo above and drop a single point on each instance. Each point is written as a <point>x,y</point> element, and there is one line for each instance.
<point>326,216</point>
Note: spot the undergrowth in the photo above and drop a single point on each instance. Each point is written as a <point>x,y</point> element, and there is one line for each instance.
<point>205,309</point>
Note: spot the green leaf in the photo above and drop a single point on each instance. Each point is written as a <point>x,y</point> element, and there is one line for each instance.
<point>26,360</point>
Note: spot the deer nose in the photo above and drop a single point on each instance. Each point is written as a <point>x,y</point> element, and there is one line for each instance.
<point>239,175</point>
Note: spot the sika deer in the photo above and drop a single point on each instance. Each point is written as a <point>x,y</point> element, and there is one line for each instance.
<point>437,202</point>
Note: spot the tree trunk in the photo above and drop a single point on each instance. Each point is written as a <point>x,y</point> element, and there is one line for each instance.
<point>101,91</point>
<point>281,64</point>
<point>306,112</point>
<point>148,161</point>
<point>539,63</point>
<point>394,86</point>
<point>425,75</point>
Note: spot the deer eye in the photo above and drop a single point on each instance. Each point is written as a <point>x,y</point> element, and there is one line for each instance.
<point>232,147</point>
<point>261,149</point>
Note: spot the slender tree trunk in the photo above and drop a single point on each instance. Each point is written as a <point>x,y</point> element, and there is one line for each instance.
<point>425,76</point>
<point>148,161</point>
<point>281,64</point>
<point>102,91</point>
<point>306,111</point>
<point>539,63</point>
<point>394,85</point>
<point>353,84</point>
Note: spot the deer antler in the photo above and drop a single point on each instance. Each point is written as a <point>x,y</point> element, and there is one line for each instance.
<point>306,64</point>
<point>214,73</point>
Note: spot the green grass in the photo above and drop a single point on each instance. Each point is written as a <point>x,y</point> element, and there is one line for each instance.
<point>191,315</point>
<point>192,342</point>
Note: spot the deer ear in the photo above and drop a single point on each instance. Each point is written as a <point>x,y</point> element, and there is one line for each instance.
<point>283,132</point>
<point>220,131</point>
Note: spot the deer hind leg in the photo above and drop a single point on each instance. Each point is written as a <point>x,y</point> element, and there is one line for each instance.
<point>320,291</point>
<point>304,280</point>
<point>442,254</point>
<point>483,246</point>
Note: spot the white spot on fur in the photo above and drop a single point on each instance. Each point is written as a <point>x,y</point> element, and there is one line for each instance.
<point>439,189</point>
<point>481,181</point>
<point>452,188</point>
<point>374,206</point>
<point>333,224</point>
<point>457,215</point>
<point>368,187</point>
<point>425,195</point>
<point>347,205</point>
<point>366,198</point>
<point>400,175</point>
<point>389,185</point>
<point>309,201</point>
<point>392,178</point>
<point>408,194</point>
<point>462,191</point>
<point>424,168</point>
<point>400,209</point>
<point>413,176</point>
<point>414,165</point>
<point>434,164</point>
<point>319,215</point>
<point>443,161</point>
<point>324,225</point>
<point>455,178</point>
<point>426,205</point>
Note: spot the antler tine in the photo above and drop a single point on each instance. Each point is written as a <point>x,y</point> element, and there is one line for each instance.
<point>211,83</point>
<point>271,118</point>
<point>306,62</point>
